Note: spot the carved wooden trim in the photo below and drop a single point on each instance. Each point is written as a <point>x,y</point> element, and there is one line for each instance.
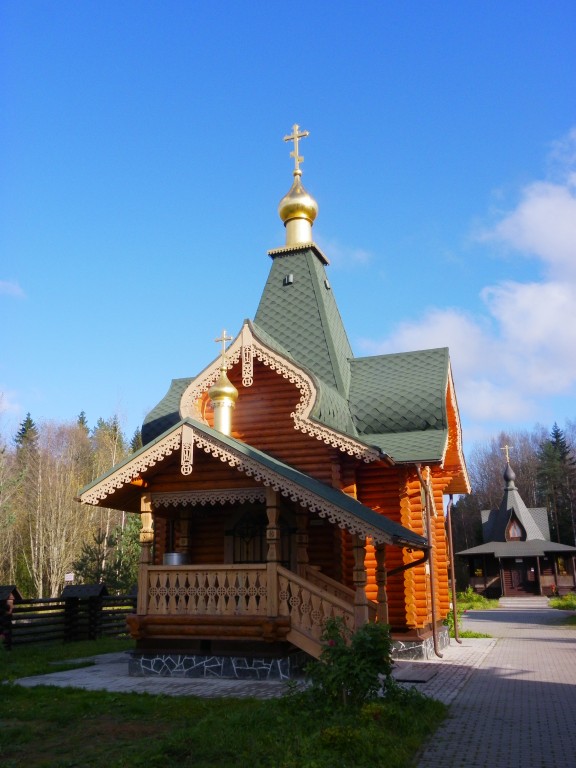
<point>204,498</point>
<point>133,469</point>
<point>246,347</point>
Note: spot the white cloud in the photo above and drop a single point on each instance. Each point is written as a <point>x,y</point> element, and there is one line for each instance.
<point>544,225</point>
<point>11,288</point>
<point>512,359</point>
<point>343,255</point>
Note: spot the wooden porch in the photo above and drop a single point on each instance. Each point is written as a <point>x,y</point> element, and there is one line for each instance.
<point>251,603</point>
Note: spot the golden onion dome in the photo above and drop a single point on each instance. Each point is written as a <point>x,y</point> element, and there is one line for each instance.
<point>223,389</point>
<point>298,204</point>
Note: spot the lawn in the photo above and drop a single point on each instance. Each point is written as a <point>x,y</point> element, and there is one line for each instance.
<point>64,727</point>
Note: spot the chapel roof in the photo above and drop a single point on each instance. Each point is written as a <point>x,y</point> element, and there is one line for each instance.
<point>117,488</point>
<point>534,521</point>
<point>395,403</point>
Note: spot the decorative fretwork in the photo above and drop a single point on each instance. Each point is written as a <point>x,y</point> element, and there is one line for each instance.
<point>246,347</point>
<point>308,606</point>
<point>198,591</point>
<point>289,488</point>
<point>251,467</point>
<point>133,469</point>
<point>205,498</point>
<point>247,357</point>
<point>187,450</point>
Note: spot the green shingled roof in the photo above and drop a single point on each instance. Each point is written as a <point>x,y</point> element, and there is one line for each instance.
<point>298,310</point>
<point>396,402</point>
<point>166,413</point>
<point>495,521</point>
<point>316,495</point>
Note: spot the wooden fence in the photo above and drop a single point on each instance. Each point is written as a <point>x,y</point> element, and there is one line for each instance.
<point>80,615</point>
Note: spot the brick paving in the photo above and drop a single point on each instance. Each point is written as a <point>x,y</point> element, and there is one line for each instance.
<point>516,708</point>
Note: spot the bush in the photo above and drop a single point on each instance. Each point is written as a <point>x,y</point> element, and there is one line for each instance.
<point>470,600</point>
<point>566,603</point>
<point>351,666</point>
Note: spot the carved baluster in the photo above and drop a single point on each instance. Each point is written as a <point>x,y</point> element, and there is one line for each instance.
<point>283,596</point>
<point>252,592</point>
<point>211,592</point>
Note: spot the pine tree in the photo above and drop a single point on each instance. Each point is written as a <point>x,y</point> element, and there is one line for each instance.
<point>82,422</point>
<point>136,442</point>
<point>557,484</point>
<point>27,435</point>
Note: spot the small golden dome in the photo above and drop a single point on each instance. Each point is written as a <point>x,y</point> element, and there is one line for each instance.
<point>298,204</point>
<point>223,389</point>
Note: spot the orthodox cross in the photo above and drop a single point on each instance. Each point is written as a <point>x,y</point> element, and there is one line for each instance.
<point>295,136</point>
<point>506,449</point>
<point>224,338</point>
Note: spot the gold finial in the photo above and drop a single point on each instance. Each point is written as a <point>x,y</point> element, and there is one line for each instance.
<point>295,136</point>
<point>223,393</point>
<point>506,449</point>
<point>297,209</point>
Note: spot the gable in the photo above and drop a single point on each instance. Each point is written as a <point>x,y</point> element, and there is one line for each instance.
<point>122,487</point>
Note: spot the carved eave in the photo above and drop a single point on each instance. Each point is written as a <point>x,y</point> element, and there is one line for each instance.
<point>453,458</point>
<point>327,502</point>
<point>247,347</point>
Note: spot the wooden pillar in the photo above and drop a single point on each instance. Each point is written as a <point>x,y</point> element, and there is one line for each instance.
<point>273,552</point>
<point>538,576</point>
<point>146,539</point>
<point>360,579</point>
<point>381,594</point>
<point>302,539</point>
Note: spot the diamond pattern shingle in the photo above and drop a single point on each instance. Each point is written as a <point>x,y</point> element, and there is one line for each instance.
<point>166,413</point>
<point>400,392</point>
<point>298,309</point>
<point>395,402</point>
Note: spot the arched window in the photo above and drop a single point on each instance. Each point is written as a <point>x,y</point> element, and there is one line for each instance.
<point>515,531</point>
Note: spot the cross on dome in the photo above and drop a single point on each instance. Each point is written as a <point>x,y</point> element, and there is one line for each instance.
<point>295,136</point>
<point>223,339</point>
<point>506,449</point>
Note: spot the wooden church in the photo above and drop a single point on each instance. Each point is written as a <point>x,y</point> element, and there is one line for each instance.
<point>290,482</point>
<point>517,557</point>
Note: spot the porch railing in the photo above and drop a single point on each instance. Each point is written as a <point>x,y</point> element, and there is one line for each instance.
<point>204,591</point>
<point>250,590</point>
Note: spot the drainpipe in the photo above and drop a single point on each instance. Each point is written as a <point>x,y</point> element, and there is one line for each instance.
<point>427,506</point>
<point>452,571</point>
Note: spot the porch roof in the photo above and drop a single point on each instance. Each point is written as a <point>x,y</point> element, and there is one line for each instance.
<point>327,501</point>
<point>531,548</point>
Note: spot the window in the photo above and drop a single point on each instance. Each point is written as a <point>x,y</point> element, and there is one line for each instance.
<point>249,539</point>
<point>514,531</point>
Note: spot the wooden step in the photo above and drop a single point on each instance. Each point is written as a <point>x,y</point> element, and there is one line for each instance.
<point>528,603</point>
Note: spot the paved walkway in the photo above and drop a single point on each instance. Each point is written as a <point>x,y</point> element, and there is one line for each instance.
<point>516,708</point>
<point>512,697</point>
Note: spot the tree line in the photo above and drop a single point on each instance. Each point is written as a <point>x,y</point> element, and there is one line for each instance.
<point>544,463</point>
<point>46,533</point>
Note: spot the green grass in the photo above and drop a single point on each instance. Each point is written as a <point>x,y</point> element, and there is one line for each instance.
<point>63,727</point>
<point>24,661</point>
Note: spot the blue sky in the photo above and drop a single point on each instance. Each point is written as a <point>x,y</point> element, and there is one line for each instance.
<point>142,162</point>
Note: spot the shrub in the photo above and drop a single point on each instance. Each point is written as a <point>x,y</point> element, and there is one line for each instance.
<point>351,666</point>
<point>566,603</point>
